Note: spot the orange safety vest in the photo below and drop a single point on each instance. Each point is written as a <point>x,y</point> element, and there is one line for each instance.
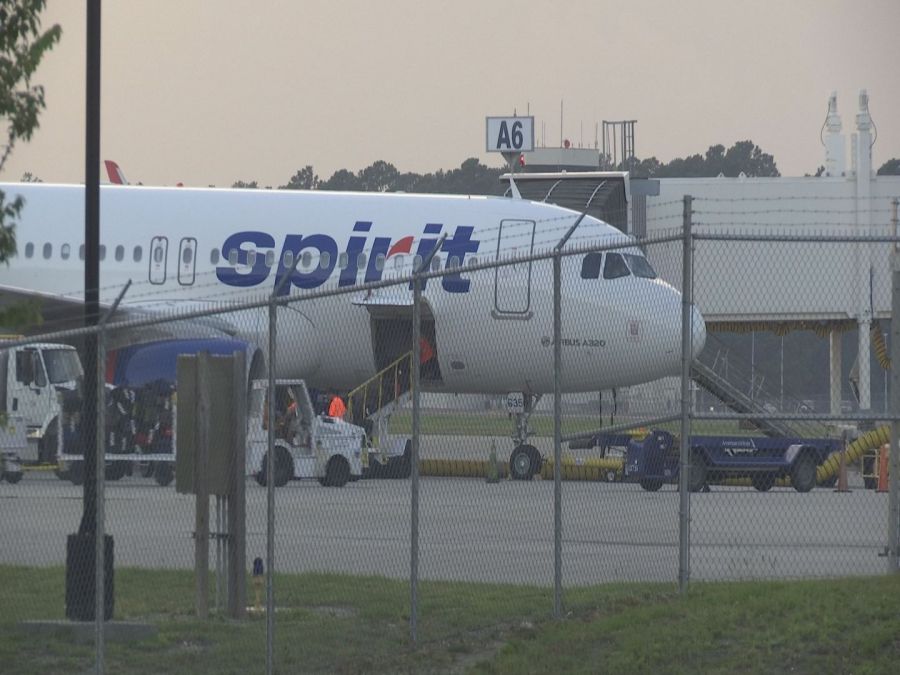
<point>337,407</point>
<point>426,352</point>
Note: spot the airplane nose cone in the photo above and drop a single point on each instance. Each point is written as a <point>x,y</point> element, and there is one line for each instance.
<point>698,332</point>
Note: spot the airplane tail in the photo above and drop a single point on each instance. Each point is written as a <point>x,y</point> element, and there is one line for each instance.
<point>116,176</point>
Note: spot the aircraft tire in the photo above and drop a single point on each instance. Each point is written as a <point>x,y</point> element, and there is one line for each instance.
<point>13,477</point>
<point>524,462</point>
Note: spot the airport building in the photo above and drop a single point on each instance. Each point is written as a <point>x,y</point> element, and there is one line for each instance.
<point>847,199</point>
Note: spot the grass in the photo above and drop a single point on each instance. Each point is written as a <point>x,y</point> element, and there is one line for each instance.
<point>344,624</point>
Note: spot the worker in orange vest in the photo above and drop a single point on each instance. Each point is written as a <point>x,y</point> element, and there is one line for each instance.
<point>336,408</point>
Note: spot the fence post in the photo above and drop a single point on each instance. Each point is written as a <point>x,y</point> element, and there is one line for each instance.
<point>100,540</point>
<point>270,494</point>
<point>894,453</point>
<point>684,498</point>
<point>100,550</point>
<point>414,461</point>
<point>557,434</point>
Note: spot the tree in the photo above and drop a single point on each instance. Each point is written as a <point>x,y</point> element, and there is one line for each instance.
<point>29,177</point>
<point>252,185</point>
<point>743,156</point>
<point>22,46</point>
<point>890,168</point>
<point>304,179</point>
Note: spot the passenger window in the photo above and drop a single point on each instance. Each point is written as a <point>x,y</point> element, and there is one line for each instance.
<point>615,266</point>
<point>102,252</point>
<point>214,256</point>
<point>417,263</point>
<point>138,254</point>
<point>640,266</point>
<point>324,260</point>
<point>473,261</point>
<point>453,263</point>
<point>361,261</point>
<point>187,255</point>
<point>379,262</point>
<point>288,259</point>
<point>81,252</point>
<point>29,250</point>
<point>590,266</point>
<point>251,258</point>
<point>270,258</point>
<point>436,263</point>
<point>233,257</point>
<point>343,260</point>
<point>120,253</point>
<point>65,251</point>
<point>398,262</point>
<point>48,251</point>
<point>306,259</point>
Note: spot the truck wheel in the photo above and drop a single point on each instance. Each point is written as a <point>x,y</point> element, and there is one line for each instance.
<point>76,472</point>
<point>13,476</point>
<point>337,473</point>
<point>698,471</point>
<point>284,467</point>
<point>116,470</point>
<point>803,473</point>
<point>763,481</point>
<point>47,446</point>
<point>164,473</point>
<point>524,462</point>
<point>402,467</point>
<point>651,485</point>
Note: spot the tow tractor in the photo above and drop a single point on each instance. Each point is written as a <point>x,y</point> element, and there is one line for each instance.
<point>654,461</point>
<point>306,445</point>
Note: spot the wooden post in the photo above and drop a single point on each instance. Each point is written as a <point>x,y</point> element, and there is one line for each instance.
<point>201,485</point>
<point>237,521</point>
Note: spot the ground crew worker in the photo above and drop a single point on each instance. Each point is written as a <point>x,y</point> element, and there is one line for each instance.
<point>336,408</point>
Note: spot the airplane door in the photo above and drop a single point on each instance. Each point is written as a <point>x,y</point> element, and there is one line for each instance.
<point>159,250</point>
<point>512,283</point>
<point>187,261</point>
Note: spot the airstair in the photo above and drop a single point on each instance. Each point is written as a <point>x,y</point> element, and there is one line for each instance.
<point>371,404</point>
<point>738,401</point>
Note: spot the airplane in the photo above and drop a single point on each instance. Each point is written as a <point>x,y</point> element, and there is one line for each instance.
<point>491,329</point>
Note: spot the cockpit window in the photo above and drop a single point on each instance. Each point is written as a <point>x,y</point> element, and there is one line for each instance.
<point>615,266</point>
<point>590,266</point>
<point>640,266</point>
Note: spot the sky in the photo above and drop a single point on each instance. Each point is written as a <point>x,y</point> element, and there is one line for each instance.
<point>209,92</point>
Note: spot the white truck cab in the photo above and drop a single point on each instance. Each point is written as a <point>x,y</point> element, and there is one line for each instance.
<point>31,377</point>
<point>306,445</point>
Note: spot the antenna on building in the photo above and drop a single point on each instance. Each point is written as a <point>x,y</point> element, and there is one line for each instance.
<point>618,143</point>
<point>833,140</point>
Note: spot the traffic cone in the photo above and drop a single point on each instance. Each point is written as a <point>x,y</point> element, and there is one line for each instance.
<point>842,473</point>
<point>493,476</point>
<point>883,454</point>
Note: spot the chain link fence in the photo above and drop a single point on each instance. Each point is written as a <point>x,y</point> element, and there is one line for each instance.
<point>510,416</point>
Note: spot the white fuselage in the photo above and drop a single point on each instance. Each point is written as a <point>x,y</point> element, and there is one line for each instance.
<point>191,248</point>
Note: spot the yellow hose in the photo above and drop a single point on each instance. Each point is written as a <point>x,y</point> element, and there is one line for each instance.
<point>881,352</point>
<point>868,441</point>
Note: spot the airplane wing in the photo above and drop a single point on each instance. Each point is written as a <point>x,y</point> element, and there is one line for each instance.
<point>65,312</point>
